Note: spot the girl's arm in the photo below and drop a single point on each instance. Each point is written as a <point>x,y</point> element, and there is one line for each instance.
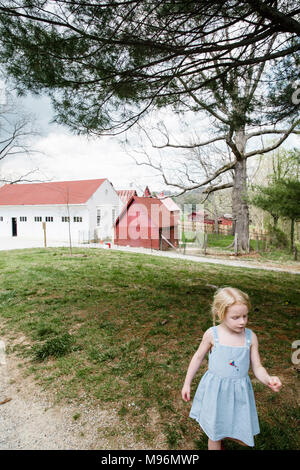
<point>195,363</point>
<point>259,371</point>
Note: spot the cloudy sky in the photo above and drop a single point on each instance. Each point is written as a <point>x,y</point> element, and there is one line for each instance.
<point>62,155</point>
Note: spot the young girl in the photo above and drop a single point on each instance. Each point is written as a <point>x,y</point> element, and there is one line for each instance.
<point>224,403</point>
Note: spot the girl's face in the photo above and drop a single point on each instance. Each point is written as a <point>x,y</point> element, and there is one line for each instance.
<point>236,317</point>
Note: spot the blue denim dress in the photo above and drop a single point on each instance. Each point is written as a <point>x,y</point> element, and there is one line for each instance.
<point>224,403</point>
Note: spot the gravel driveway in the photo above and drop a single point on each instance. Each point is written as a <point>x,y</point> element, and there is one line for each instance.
<point>10,243</point>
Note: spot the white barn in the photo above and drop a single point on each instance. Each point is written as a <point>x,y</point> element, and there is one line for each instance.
<point>86,208</point>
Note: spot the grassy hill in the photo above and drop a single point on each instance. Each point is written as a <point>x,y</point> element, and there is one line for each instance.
<point>118,330</point>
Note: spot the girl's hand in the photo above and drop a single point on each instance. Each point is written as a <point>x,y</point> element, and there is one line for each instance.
<point>186,393</point>
<point>274,383</point>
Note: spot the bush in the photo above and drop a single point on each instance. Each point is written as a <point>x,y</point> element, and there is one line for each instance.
<point>278,238</point>
<point>56,347</point>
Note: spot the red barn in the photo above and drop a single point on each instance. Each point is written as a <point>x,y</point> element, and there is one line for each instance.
<point>224,221</point>
<point>146,222</point>
<point>200,216</point>
<point>126,194</point>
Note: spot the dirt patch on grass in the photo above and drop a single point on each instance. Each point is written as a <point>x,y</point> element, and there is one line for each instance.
<point>32,419</point>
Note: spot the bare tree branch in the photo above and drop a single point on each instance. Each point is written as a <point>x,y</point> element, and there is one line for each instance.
<point>274,146</point>
<point>272,131</point>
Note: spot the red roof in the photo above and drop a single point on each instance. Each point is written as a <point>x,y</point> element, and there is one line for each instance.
<point>161,218</point>
<point>60,192</point>
<point>126,194</point>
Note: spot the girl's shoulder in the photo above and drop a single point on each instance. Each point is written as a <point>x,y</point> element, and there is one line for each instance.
<point>250,332</point>
<point>251,337</point>
<point>209,335</point>
<point>254,339</point>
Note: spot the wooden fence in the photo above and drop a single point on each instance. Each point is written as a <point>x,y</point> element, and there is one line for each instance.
<point>198,227</point>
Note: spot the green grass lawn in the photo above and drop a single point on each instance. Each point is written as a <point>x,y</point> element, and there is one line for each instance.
<point>221,245</point>
<point>121,329</point>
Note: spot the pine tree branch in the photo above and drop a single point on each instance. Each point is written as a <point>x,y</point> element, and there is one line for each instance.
<point>284,22</point>
<point>203,105</point>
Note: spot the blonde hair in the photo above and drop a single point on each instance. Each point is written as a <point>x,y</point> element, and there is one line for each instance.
<point>224,298</point>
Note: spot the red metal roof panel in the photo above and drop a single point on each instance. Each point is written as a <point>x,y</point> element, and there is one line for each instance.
<point>58,192</point>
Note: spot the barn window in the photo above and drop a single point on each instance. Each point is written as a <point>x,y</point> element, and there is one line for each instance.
<point>77,219</point>
<point>98,217</point>
<point>1,218</point>
<point>49,219</point>
<point>23,219</point>
<point>65,219</point>
<point>38,219</point>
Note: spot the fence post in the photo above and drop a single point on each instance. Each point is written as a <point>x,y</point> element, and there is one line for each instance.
<point>205,242</point>
<point>235,243</point>
<point>44,230</point>
<point>257,243</point>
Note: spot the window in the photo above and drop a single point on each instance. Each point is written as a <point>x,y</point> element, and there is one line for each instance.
<point>38,219</point>
<point>65,219</point>
<point>113,215</point>
<point>77,219</point>
<point>1,218</point>
<point>49,219</point>
<point>98,217</point>
<point>23,219</point>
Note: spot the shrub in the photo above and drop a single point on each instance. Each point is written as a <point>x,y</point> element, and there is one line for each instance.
<point>56,347</point>
<point>277,238</point>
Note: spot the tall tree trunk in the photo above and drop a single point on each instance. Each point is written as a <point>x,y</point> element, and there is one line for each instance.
<point>215,213</point>
<point>292,233</point>
<point>240,207</point>
<point>239,193</point>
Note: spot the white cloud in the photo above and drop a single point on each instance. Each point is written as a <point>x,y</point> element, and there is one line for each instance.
<point>62,156</point>
<point>65,156</point>
<point>76,157</point>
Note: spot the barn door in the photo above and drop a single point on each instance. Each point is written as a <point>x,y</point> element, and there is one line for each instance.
<point>14,226</point>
